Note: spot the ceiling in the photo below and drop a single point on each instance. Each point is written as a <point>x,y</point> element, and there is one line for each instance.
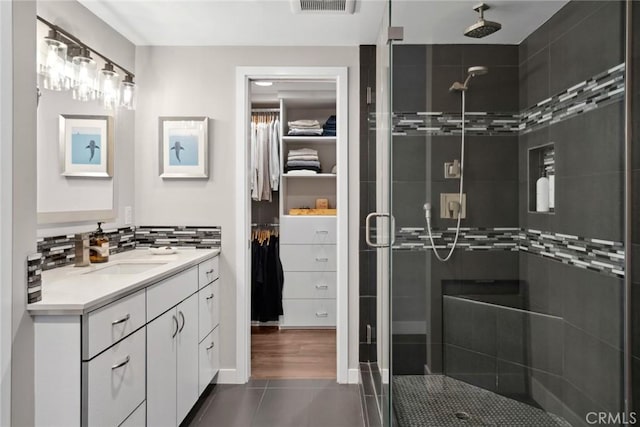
<point>272,23</point>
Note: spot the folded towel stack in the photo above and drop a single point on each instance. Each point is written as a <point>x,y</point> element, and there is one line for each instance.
<point>305,127</point>
<point>330,127</point>
<point>304,159</point>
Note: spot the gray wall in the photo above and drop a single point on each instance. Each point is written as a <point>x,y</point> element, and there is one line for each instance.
<point>78,20</point>
<point>200,81</point>
<point>23,215</point>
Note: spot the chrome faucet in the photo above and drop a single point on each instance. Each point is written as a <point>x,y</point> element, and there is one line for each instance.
<point>82,250</point>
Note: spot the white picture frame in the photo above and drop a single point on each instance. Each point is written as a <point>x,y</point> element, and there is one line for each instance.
<point>183,147</point>
<point>86,146</point>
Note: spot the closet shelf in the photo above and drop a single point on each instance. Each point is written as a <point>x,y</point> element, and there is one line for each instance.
<point>328,139</point>
<point>317,175</point>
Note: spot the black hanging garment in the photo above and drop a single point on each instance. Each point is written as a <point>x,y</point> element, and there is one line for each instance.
<point>267,280</point>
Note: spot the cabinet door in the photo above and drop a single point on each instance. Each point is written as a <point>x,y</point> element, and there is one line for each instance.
<point>206,298</point>
<point>162,353</point>
<point>187,381</point>
<point>209,359</point>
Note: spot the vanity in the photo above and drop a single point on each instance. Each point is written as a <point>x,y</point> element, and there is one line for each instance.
<point>132,342</point>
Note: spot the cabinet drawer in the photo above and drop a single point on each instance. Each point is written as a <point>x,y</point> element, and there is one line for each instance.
<point>308,312</point>
<point>308,257</point>
<point>309,284</point>
<point>115,382</point>
<point>138,418</point>
<point>209,309</point>
<point>208,271</point>
<point>111,323</point>
<point>307,230</point>
<point>209,359</point>
<point>168,293</point>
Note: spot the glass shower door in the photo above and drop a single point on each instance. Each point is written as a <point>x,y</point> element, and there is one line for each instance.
<point>524,323</point>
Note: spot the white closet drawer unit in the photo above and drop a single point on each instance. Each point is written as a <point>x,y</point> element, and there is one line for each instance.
<point>115,382</point>
<point>138,418</point>
<point>311,284</point>
<point>209,359</point>
<point>308,230</point>
<point>166,294</point>
<point>111,323</point>
<point>209,309</point>
<point>208,271</point>
<point>309,312</point>
<point>308,257</point>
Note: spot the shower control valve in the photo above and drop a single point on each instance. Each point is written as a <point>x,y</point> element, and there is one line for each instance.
<point>452,169</point>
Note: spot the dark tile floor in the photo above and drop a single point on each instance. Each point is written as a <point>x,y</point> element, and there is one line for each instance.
<point>281,403</point>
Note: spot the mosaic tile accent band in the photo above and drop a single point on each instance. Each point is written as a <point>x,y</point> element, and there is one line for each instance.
<point>201,237</point>
<point>603,256</point>
<point>59,251</point>
<point>34,278</point>
<point>600,90</point>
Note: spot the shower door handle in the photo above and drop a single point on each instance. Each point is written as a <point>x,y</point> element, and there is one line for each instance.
<point>367,232</point>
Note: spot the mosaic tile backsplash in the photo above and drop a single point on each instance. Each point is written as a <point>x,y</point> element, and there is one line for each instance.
<point>600,90</point>
<point>58,251</point>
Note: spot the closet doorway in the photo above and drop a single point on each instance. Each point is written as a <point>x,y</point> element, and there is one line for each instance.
<point>293,324</point>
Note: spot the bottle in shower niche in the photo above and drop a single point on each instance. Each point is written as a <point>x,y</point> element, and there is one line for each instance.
<point>99,246</point>
<point>542,194</point>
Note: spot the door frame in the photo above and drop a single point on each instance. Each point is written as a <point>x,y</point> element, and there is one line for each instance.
<point>244,75</point>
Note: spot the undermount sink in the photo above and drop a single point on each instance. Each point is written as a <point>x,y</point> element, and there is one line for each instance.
<point>127,268</point>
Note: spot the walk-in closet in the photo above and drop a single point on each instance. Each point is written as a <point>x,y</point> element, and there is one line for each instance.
<point>293,175</point>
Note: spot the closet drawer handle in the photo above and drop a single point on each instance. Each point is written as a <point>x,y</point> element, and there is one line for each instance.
<point>121,320</point>
<point>322,314</point>
<point>121,364</point>
<point>322,231</point>
<point>322,259</point>
<point>210,347</point>
<point>322,287</point>
<point>209,297</point>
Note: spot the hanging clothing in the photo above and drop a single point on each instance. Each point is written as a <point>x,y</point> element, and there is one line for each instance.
<point>265,155</point>
<point>267,278</point>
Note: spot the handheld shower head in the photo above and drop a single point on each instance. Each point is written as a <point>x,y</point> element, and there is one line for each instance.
<point>476,70</point>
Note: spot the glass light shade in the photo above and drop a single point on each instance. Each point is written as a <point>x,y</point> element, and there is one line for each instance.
<point>84,85</point>
<point>128,93</point>
<point>53,67</point>
<point>109,87</point>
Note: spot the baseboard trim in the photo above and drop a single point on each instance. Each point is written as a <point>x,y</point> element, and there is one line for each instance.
<point>228,376</point>
<point>354,376</point>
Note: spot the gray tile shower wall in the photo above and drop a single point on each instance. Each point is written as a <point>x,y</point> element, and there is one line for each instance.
<point>635,249</point>
<point>367,255</point>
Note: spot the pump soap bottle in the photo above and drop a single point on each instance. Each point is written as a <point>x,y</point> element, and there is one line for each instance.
<point>99,246</point>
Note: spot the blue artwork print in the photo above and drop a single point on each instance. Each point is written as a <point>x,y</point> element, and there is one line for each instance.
<point>183,150</point>
<point>86,147</point>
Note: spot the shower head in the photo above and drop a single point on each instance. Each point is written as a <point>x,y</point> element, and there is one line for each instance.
<point>482,28</point>
<point>476,70</point>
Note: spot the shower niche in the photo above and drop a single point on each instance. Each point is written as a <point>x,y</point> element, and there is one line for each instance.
<point>541,179</point>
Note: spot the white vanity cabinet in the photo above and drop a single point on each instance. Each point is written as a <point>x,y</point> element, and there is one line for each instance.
<point>172,364</point>
<point>141,360</point>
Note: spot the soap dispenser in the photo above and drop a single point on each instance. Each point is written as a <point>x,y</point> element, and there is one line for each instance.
<point>542,193</point>
<point>99,246</point>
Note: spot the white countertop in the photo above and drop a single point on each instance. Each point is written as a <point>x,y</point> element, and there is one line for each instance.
<point>70,290</point>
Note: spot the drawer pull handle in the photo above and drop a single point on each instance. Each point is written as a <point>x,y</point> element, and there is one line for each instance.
<point>121,320</point>
<point>209,272</point>
<point>322,287</point>
<point>322,232</point>
<point>183,321</point>
<point>322,314</point>
<point>121,364</point>
<point>322,259</point>
<point>175,319</point>
<point>211,346</point>
<point>209,297</point>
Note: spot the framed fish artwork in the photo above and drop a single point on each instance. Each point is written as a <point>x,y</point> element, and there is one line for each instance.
<point>86,146</point>
<point>183,147</point>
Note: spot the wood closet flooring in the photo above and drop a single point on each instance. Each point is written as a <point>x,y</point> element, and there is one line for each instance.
<point>292,353</point>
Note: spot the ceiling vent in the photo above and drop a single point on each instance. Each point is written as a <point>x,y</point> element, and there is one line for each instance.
<point>323,6</point>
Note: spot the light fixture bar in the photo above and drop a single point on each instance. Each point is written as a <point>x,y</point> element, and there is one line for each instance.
<point>77,41</point>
